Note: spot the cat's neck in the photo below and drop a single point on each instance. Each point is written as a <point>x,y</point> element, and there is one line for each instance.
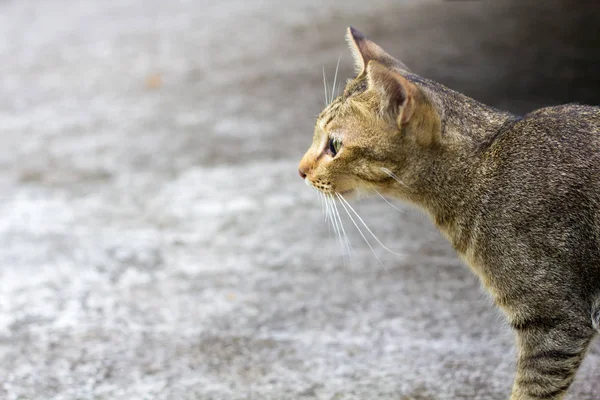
<point>464,117</point>
<point>449,178</point>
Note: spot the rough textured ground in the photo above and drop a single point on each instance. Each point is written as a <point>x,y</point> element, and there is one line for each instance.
<point>156,242</point>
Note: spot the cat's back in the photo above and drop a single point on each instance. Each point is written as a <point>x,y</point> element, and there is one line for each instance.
<point>539,185</point>
<point>542,172</point>
<point>573,119</point>
<point>551,139</point>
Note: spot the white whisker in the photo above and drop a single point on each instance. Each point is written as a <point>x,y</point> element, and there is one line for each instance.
<point>393,175</point>
<point>333,89</point>
<point>336,221</point>
<point>337,225</point>
<point>331,215</point>
<point>326,87</point>
<point>366,227</point>
<point>322,206</point>
<point>346,241</point>
<point>362,234</point>
<point>327,207</point>
<point>387,201</point>
<point>327,212</point>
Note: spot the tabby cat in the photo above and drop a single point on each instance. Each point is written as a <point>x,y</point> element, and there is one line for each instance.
<point>517,196</point>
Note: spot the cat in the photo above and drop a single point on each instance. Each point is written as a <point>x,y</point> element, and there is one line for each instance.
<point>518,197</point>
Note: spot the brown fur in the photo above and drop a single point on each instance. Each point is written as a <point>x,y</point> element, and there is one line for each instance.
<point>518,197</point>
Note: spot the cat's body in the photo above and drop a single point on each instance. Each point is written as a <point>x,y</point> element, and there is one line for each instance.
<point>518,197</point>
<point>527,221</point>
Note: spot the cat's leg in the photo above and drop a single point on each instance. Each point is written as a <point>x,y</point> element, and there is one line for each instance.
<point>550,352</point>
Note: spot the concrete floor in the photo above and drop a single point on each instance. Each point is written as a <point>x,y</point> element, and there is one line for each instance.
<point>156,242</point>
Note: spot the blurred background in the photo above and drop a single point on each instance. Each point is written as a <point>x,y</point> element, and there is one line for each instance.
<point>157,243</point>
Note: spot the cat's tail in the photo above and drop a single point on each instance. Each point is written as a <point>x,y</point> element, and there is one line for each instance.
<point>596,313</point>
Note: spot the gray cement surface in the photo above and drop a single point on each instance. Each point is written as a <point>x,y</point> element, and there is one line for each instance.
<point>157,243</point>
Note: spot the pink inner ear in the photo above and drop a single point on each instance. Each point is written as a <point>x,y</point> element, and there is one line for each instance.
<point>407,110</point>
<point>389,84</point>
<point>368,51</point>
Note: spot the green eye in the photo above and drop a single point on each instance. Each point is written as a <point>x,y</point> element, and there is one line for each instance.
<point>334,146</point>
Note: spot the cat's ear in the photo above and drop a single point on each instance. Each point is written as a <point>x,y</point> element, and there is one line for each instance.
<point>396,93</point>
<point>402,100</point>
<point>364,50</point>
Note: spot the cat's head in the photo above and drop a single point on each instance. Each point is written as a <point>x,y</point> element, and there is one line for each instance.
<point>373,135</point>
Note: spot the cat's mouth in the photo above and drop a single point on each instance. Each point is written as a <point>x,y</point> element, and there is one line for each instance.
<point>327,189</point>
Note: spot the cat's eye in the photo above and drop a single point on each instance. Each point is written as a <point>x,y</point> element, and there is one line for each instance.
<point>334,146</point>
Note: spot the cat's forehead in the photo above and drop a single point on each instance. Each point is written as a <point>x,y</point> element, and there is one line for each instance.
<point>355,86</point>
<point>329,113</point>
<point>338,106</point>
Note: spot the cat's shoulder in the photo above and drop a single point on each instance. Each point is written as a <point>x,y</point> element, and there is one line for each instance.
<point>559,120</point>
<point>568,112</point>
<point>550,125</point>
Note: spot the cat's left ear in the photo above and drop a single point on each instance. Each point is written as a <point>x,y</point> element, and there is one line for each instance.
<point>397,95</point>
<point>365,50</point>
<point>402,100</point>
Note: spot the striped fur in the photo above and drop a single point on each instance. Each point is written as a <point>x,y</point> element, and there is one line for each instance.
<point>517,196</point>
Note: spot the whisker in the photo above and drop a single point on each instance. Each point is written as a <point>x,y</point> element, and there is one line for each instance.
<point>362,234</point>
<point>346,240</point>
<point>333,220</point>
<point>333,89</point>
<point>340,227</point>
<point>326,89</point>
<point>387,201</point>
<point>326,203</point>
<point>366,227</point>
<point>337,222</point>
<point>322,206</point>
<point>329,214</point>
<point>393,175</point>
<point>325,208</point>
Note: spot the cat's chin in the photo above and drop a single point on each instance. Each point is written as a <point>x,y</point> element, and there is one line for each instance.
<point>349,194</point>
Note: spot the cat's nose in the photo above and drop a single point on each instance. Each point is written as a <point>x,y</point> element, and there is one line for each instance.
<point>304,166</point>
